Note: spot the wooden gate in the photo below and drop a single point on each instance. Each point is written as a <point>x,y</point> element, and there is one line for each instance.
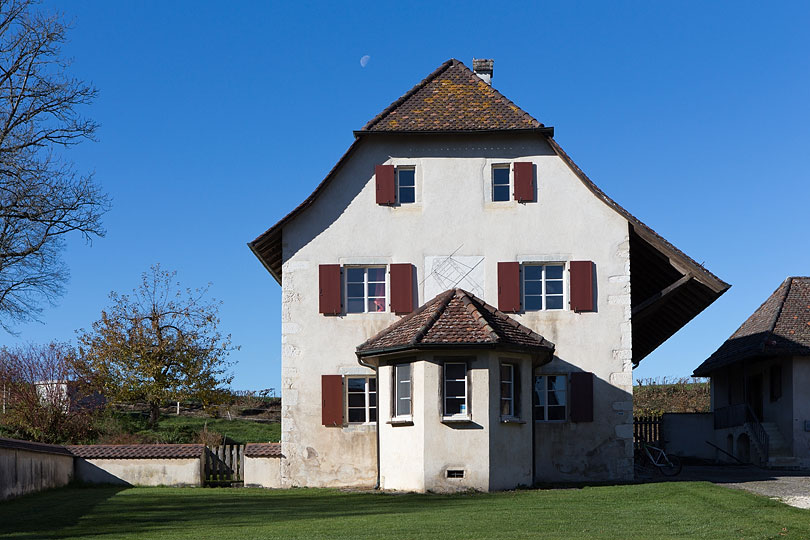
<point>646,429</point>
<point>225,465</point>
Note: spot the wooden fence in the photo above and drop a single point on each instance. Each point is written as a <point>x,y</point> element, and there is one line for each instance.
<point>225,464</point>
<point>646,429</point>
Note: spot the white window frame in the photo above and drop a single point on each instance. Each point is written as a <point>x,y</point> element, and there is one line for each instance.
<point>508,168</point>
<point>511,399</point>
<point>395,405</point>
<point>367,392</point>
<point>465,408</point>
<point>415,184</point>
<point>545,405</point>
<point>543,281</point>
<point>365,268</point>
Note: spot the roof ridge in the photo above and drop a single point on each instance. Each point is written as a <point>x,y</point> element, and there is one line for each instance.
<point>422,331</point>
<point>418,86</point>
<point>788,283</point>
<point>475,310</point>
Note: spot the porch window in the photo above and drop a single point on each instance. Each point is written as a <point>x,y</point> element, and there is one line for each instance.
<point>455,390</point>
<point>550,393</point>
<point>775,376</point>
<point>508,391</point>
<point>402,391</point>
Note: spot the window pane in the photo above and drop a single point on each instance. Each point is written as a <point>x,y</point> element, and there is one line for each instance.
<point>357,415</point>
<point>403,389</point>
<point>376,304</point>
<point>354,275</point>
<point>453,406</point>
<point>403,407</point>
<point>372,400</point>
<point>407,195</point>
<point>554,272</point>
<point>556,398</point>
<point>455,371</point>
<point>506,372</point>
<point>556,382</point>
<point>376,289</point>
<point>357,400</point>
<point>354,306</point>
<point>554,287</point>
<point>539,390</point>
<point>540,412</point>
<point>372,384</point>
<point>406,177</point>
<point>533,272</point>
<point>403,372</point>
<point>554,302</point>
<point>500,176</point>
<point>354,290</point>
<point>372,415</point>
<point>356,385</point>
<point>506,389</point>
<point>376,274</point>
<point>455,388</point>
<point>500,193</point>
<point>506,407</point>
<point>533,287</point>
<point>533,303</point>
<point>556,413</point>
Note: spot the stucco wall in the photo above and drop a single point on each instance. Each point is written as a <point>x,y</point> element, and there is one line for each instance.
<point>141,472</point>
<point>801,410</point>
<point>262,472</point>
<point>454,215</point>
<point>23,471</point>
<point>685,435</point>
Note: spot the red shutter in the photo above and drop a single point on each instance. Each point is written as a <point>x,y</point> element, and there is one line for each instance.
<point>582,298</point>
<point>332,400</point>
<point>386,192</point>
<point>509,286</point>
<point>524,181</point>
<point>402,288</point>
<point>329,289</point>
<point>582,397</point>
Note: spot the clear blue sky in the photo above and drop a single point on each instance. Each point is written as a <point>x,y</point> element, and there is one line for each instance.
<point>218,118</point>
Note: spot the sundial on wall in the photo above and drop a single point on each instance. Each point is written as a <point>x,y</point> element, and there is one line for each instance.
<point>443,272</point>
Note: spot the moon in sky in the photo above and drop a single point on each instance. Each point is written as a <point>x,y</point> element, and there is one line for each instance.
<point>364,60</point>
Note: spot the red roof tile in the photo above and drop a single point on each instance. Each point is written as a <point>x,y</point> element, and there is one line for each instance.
<point>452,98</point>
<point>263,450</point>
<point>780,326</point>
<point>137,451</point>
<point>455,317</point>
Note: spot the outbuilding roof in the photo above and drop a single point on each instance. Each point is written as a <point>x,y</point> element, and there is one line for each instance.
<point>137,451</point>
<point>780,326</point>
<point>455,318</point>
<point>263,450</point>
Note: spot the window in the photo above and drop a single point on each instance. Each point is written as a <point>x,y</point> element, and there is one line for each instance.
<point>508,391</point>
<point>455,389</point>
<point>776,382</point>
<point>500,183</point>
<point>365,289</point>
<point>361,400</point>
<point>402,390</point>
<point>406,185</point>
<point>550,397</point>
<point>543,287</point>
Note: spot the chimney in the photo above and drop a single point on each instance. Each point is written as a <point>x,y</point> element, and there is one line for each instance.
<point>483,68</point>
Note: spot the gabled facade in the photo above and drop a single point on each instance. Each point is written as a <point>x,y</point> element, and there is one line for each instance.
<point>760,381</point>
<point>453,196</point>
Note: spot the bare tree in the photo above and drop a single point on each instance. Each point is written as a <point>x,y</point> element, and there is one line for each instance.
<point>51,397</point>
<point>42,197</point>
<point>160,344</point>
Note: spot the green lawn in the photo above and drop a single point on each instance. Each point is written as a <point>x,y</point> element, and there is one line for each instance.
<point>649,511</point>
<point>238,431</point>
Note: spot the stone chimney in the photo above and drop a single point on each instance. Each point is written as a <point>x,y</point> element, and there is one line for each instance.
<point>483,68</point>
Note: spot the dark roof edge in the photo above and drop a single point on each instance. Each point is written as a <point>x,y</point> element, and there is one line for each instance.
<point>460,345</point>
<point>545,130</point>
<point>743,356</point>
<point>30,446</point>
<point>788,284</point>
<point>648,234</point>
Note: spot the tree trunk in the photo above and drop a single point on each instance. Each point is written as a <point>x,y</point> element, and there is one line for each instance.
<point>154,414</point>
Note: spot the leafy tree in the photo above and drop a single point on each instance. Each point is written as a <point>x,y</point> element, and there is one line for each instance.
<point>48,394</point>
<point>159,344</point>
<point>42,197</point>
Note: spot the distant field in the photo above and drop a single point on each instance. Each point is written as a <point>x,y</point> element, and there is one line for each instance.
<point>649,511</point>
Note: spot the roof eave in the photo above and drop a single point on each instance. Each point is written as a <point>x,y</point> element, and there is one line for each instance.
<point>447,346</point>
<point>545,130</point>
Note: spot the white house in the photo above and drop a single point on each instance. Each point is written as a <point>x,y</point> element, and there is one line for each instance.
<point>760,381</point>
<point>400,366</point>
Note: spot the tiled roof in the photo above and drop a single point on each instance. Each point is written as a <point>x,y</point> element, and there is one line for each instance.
<point>137,451</point>
<point>263,450</point>
<point>16,444</point>
<point>780,326</point>
<point>455,317</point>
<point>452,98</point>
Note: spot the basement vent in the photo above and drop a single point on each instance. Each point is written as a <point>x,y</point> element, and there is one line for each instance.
<point>455,473</point>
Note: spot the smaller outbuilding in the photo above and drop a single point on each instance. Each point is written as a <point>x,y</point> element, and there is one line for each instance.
<point>760,381</point>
